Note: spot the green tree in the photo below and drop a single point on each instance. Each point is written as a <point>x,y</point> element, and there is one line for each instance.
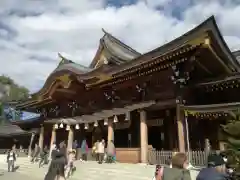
<point>231,134</point>
<point>16,92</point>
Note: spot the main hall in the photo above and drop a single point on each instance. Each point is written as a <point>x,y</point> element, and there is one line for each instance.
<point>172,98</point>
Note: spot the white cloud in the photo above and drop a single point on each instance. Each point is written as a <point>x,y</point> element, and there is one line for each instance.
<point>40,29</point>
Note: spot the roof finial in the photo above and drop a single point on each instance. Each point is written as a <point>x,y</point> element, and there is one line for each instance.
<point>60,56</point>
<point>105,32</point>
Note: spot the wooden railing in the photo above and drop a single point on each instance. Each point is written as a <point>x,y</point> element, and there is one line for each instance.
<point>196,158</point>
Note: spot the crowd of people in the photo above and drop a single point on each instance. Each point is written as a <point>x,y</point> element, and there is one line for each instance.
<point>62,162</point>
<point>178,169</point>
<point>62,159</point>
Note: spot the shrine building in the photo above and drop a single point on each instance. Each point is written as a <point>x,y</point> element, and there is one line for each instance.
<point>171,98</point>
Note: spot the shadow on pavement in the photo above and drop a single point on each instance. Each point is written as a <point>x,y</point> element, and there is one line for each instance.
<point>16,168</point>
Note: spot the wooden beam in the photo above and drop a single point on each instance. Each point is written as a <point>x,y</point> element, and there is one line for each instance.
<point>203,67</point>
<point>66,91</point>
<point>163,104</point>
<point>223,107</point>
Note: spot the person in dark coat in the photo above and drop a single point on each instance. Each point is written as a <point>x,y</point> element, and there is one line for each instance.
<point>63,150</point>
<point>36,152</point>
<point>11,158</point>
<point>216,169</point>
<point>56,168</point>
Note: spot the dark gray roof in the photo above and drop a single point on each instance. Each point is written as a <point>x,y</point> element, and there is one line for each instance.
<point>114,50</point>
<point>11,130</point>
<point>117,48</point>
<point>69,64</point>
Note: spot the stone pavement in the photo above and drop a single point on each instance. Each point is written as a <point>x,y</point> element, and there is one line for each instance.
<point>85,170</point>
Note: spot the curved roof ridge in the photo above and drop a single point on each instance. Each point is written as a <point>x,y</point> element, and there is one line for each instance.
<point>115,48</point>
<point>120,42</point>
<point>65,60</point>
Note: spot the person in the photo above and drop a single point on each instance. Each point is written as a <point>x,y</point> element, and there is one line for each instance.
<point>75,148</point>
<point>94,150</point>
<point>179,168</point>
<point>101,151</point>
<point>84,150</point>
<point>216,169</point>
<point>11,158</point>
<point>21,150</point>
<point>35,153</point>
<point>43,156</point>
<point>75,145</point>
<point>63,150</point>
<point>53,147</point>
<point>56,167</point>
<point>110,152</point>
<point>70,168</point>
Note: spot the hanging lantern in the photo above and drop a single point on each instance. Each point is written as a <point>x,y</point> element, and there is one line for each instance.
<point>56,126</point>
<point>115,119</point>
<point>77,126</point>
<point>127,116</point>
<point>95,124</point>
<point>105,122</point>
<point>67,128</point>
<point>61,125</point>
<point>86,126</point>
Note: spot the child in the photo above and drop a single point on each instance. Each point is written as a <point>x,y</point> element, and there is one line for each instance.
<point>70,168</point>
<point>11,158</point>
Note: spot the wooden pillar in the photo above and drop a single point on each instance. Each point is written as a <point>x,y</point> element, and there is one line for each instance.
<point>70,138</point>
<point>180,126</point>
<point>221,146</point>
<point>110,130</point>
<point>144,137</point>
<point>41,137</point>
<point>30,145</point>
<point>53,137</point>
<point>170,130</point>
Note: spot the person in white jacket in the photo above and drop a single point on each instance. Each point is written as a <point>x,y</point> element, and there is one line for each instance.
<point>101,150</point>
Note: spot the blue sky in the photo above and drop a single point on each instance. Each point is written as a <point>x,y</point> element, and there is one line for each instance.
<point>33,32</point>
